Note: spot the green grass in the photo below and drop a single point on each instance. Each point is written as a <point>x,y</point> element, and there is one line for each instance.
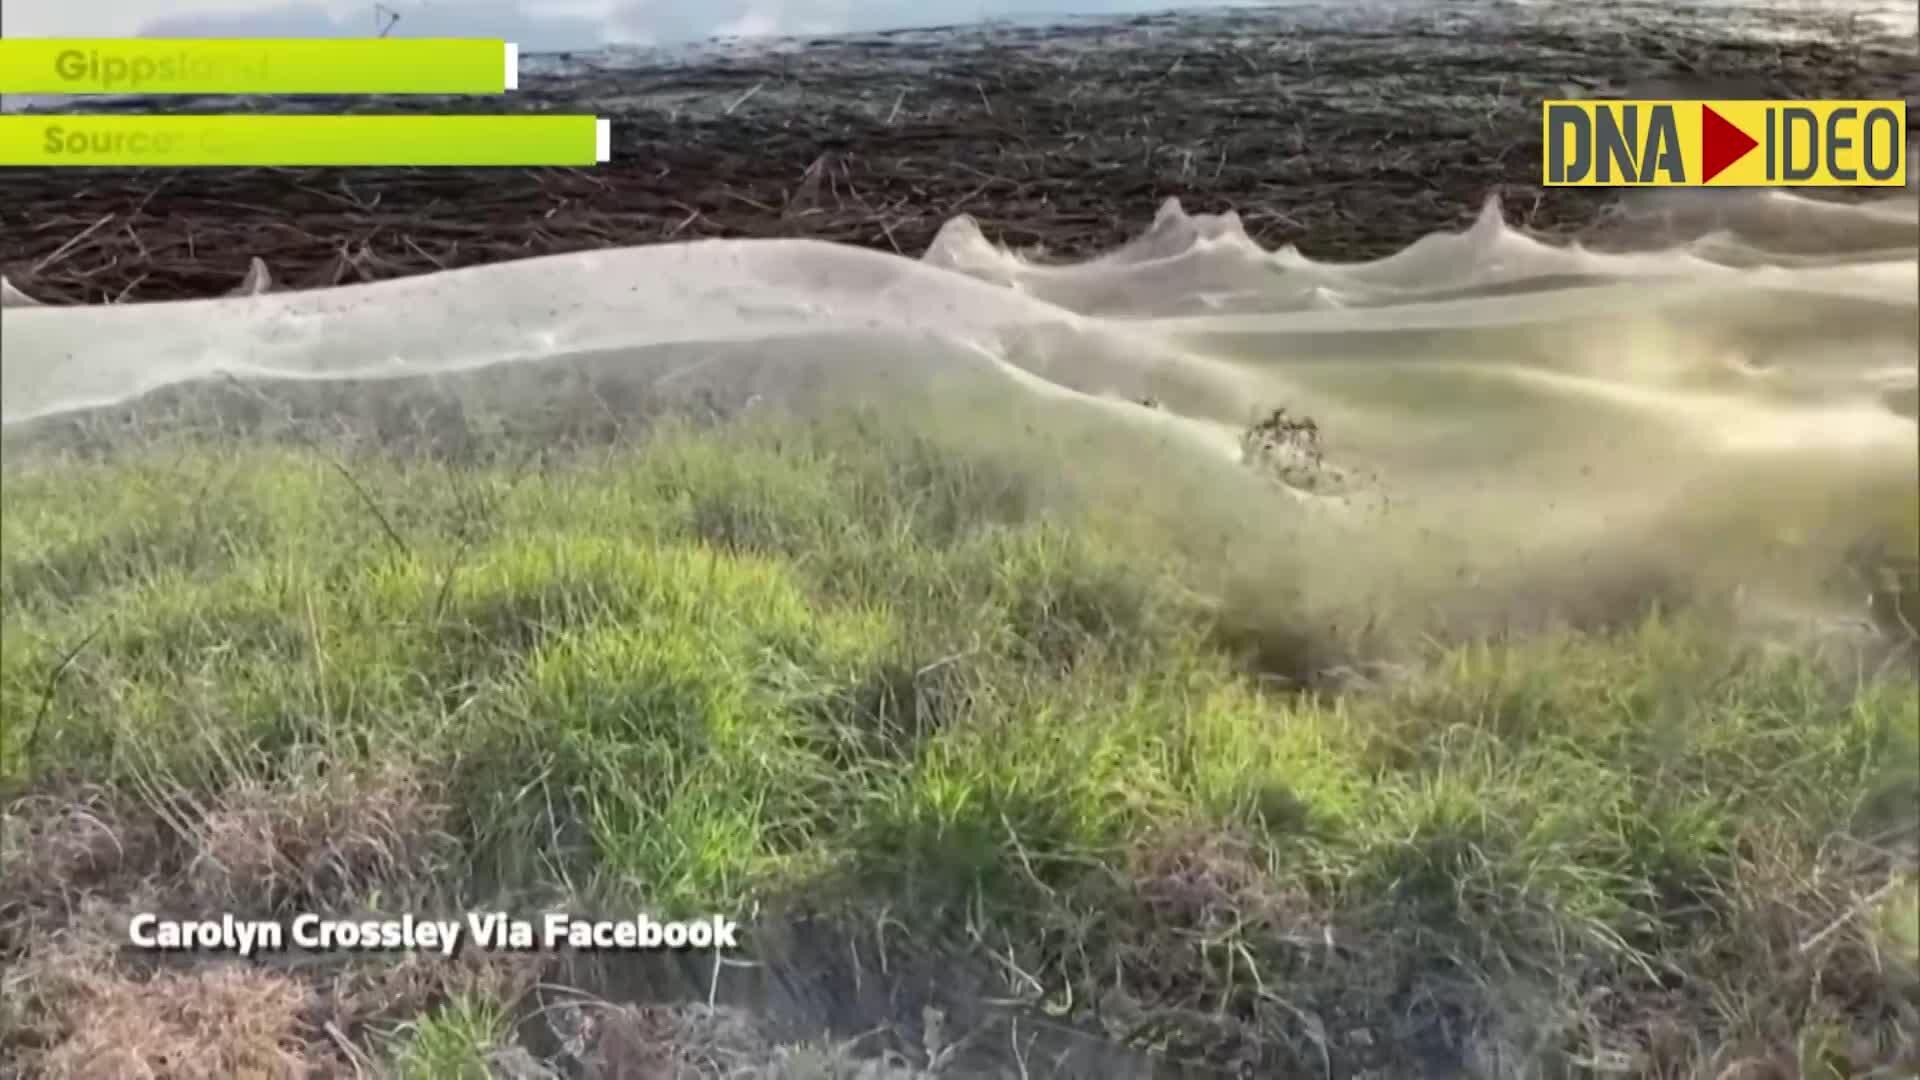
<point>798,668</point>
<point>453,1042</point>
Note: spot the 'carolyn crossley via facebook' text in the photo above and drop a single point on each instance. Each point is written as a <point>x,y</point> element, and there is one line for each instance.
<point>492,931</point>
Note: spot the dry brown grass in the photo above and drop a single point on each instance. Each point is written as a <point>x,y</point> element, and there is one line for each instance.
<point>56,849</point>
<point>1822,937</point>
<point>75,1012</point>
<point>313,845</point>
<point>255,847</point>
<point>1204,881</point>
<point>79,864</point>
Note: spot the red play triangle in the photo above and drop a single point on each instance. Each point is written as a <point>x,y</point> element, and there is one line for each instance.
<point>1721,144</point>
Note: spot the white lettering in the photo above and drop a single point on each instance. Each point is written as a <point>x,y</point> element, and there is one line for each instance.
<point>489,930</point>
<point>494,930</point>
<point>306,931</point>
<point>640,932</point>
<point>242,936</point>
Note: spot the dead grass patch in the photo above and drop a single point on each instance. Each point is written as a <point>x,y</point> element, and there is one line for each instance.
<point>76,1013</point>
<point>80,863</point>
<point>59,848</point>
<point>313,843</point>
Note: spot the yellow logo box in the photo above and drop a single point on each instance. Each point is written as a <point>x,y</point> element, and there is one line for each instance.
<point>1723,143</point>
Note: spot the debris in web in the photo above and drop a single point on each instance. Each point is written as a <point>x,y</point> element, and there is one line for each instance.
<point>1287,448</point>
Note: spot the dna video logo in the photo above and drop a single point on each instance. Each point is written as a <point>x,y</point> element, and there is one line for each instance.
<point>1724,143</point>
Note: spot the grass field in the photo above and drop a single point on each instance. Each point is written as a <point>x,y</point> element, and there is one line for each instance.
<point>854,684</point>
